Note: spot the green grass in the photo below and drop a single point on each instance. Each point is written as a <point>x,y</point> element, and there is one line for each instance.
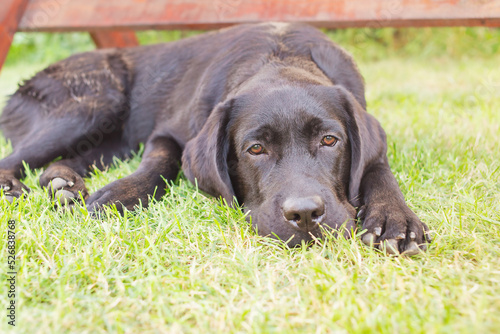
<point>189,264</point>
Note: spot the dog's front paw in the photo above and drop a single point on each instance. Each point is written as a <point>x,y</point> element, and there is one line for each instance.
<point>64,185</point>
<point>11,187</point>
<point>125,193</point>
<point>393,227</point>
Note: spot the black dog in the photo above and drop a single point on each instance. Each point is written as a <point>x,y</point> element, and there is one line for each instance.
<point>271,114</point>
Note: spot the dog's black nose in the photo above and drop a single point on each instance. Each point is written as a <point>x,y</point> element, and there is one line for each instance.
<point>304,213</point>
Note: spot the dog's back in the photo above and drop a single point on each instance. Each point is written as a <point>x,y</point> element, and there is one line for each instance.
<point>76,89</point>
<point>171,84</point>
<point>184,80</point>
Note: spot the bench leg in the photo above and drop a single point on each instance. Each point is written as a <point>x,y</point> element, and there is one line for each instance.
<point>114,39</point>
<point>11,12</point>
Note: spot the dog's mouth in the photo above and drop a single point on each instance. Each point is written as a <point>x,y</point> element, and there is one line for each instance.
<point>292,230</point>
<point>267,225</point>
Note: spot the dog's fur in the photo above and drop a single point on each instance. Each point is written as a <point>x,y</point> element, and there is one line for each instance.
<point>208,100</point>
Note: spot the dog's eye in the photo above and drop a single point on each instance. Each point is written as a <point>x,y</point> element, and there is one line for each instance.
<point>328,141</point>
<point>256,149</point>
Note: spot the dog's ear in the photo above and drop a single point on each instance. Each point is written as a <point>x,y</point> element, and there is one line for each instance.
<point>205,156</point>
<point>367,140</point>
<point>339,66</point>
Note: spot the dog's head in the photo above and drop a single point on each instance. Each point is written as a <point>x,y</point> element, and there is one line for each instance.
<point>293,155</point>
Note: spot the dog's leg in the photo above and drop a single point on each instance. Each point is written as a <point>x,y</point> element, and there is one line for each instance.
<point>159,164</point>
<point>71,106</point>
<point>11,185</point>
<point>11,168</point>
<point>385,215</point>
<point>64,178</point>
<point>49,140</point>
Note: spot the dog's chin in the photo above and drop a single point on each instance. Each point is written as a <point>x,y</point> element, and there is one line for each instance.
<point>280,229</point>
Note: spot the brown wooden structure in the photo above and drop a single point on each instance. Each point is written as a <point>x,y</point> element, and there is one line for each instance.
<point>112,23</point>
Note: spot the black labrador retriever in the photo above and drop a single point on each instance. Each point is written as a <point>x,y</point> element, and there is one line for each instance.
<point>272,115</point>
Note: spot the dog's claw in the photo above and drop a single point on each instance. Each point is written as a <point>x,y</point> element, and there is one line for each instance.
<point>401,236</point>
<point>391,246</point>
<point>64,196</point>
<point>368,239</point>
<point>13,189</point>
<point>378,231</point>
<point>412,235</point>
<point>58,183</point>
<point>412,249</point>
<point>428,236</point>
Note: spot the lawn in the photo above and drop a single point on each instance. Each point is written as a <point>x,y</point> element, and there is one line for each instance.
<point>189,264</point>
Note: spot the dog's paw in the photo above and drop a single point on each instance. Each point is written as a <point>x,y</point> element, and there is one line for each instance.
<point>65,192</point>
<point>125,193</point>
<point>393,228</point>
<point>11,187</point>
<point>64,185</point>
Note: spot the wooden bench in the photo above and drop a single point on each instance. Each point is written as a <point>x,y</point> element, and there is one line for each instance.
<point>112,23</point>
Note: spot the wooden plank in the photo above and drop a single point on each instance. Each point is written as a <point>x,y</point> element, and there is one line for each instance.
<point>11,12</point>
<point>67,15</point>
<point>114,39</point>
